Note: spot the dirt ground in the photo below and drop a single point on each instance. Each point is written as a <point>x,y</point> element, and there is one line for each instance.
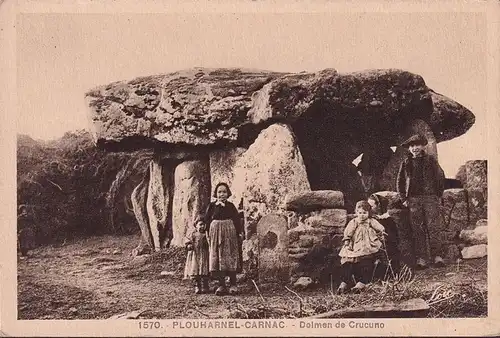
<point>96,278</point>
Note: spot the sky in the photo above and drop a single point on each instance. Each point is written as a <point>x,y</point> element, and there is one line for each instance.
<point>61,56</point>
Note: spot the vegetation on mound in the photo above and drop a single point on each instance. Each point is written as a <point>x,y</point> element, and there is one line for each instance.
<point>73,189</point>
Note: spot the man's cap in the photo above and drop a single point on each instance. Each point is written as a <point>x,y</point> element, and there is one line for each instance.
<point>415,139</point>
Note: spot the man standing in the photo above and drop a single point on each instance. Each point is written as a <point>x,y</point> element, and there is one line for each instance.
<point>420,183</point>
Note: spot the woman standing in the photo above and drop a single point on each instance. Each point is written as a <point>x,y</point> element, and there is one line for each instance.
<point>224,229</point>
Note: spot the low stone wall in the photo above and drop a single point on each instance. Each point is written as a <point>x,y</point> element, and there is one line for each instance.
<point>315,232</point>
<point>314,244</point>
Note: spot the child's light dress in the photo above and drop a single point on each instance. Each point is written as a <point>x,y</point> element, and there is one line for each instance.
<point>365,237</point>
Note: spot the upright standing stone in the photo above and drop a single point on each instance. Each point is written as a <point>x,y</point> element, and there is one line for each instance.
<point>273,248</point>
<point>270,169</point>
<point>267,172</point>
<point>157,204</point>
<point>222,164</point>
<point>139,197</point>
<point>191,196</point>
<point>389,175</point>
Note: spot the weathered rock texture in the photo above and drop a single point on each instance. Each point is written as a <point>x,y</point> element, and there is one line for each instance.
<point>314,244</point>
<point>222,163</point>
<point>365,111</point>
<point>477,236</point>
<point>191,196</point>
<point>314,200</point>
<point>269,135</point>
<point>205,106</point>
<point>477,186</point>
<point>157,204</point>
<point>475,251</point>
<point>139,196</point>
<point>455,210</point>
<point>273,248</point>
<point>267,172</point>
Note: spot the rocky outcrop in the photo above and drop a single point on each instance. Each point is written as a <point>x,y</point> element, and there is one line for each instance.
<point>191,196</point>
<point>273,137</point>
<point>215,106</point>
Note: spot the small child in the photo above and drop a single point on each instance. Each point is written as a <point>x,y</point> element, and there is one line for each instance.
<point>197,258</point>
<point>362,241</point>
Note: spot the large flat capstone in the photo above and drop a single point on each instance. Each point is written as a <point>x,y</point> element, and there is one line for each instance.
<point>202,107</point>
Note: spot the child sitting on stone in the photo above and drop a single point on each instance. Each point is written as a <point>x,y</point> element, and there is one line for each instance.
<point>197,258</point>
<point>363,238</point>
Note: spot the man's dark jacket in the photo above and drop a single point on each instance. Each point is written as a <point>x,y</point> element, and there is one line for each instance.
<point>432,178</point>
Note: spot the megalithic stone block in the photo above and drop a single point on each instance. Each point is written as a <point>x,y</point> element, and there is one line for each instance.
<point>267,172</point>
<point>191,196</point>
<point>273,248</point>
<point>157,203</point>
<point>139,197</point>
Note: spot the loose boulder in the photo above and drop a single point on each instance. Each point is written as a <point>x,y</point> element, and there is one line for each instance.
<point>314,200</point>
<point>303,283</point>
<point>477,236</point>
<point>475,251</point>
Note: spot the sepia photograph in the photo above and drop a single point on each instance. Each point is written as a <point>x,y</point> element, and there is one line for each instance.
<point>244,167</point>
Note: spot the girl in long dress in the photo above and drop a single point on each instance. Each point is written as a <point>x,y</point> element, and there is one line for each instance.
<point>225,231</point>
<point>196,267</point>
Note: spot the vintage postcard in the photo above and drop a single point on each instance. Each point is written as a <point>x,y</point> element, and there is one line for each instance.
<point>249,168</point>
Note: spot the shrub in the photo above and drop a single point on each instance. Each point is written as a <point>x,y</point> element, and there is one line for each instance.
<point>72,189</point>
